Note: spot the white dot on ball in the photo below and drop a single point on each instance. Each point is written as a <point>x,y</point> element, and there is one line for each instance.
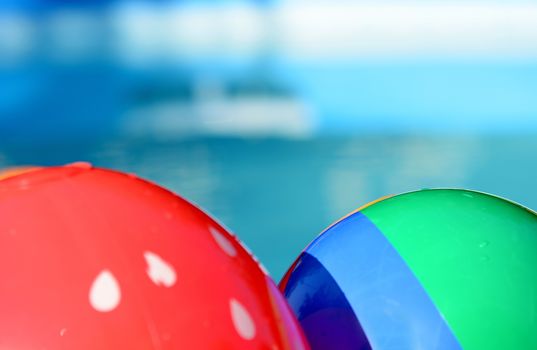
<point>105,294</point>
<point>159,271</point>
<point>223,242</point>
<point>243,322</point>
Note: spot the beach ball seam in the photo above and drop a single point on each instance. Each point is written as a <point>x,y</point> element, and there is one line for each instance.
<point>405,229</point>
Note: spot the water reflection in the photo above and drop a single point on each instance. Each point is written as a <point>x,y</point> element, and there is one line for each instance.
<point>277,194</point>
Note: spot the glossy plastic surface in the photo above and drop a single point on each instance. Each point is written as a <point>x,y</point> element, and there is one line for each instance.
<point>95,259</point>
<point>476,255</point>
<point>324,311</point>
<point>434,269</point>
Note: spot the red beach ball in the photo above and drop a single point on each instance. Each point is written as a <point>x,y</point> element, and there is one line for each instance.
<point>97,259</point>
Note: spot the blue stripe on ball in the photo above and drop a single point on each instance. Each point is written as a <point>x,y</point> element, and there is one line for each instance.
<point>392,307</point>
<point>326,317</point>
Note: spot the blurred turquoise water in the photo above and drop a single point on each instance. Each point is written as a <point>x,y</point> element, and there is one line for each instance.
<point>278,194</point>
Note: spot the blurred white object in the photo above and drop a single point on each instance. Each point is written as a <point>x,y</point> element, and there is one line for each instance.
<point>339,30</point>
<point>408,29</point>
<point>241,116</point>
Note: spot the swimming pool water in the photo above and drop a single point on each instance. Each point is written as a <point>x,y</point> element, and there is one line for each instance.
<point>277,194</point>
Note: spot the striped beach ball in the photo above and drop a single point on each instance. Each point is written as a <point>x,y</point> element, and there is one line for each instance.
<point>432,269</point>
